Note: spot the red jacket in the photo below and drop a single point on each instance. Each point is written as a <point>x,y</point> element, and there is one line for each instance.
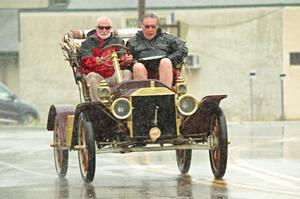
<point>91,48</point>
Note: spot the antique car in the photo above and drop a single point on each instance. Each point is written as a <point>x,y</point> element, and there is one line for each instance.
<point>135,116</point>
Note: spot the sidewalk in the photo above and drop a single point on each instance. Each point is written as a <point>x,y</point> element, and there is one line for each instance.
<point>268,123</point>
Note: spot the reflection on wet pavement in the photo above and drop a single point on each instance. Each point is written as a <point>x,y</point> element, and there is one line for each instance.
<point>184,190</point>
<point>264,162</point>
<point>184,186</point>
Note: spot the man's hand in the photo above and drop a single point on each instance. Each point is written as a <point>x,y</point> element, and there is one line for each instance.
<point>99,61</point>
<point>128,59</point>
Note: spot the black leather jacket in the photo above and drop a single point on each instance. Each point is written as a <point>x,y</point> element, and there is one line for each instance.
<point>163,43</point>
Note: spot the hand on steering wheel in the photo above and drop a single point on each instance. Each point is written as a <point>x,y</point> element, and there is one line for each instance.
<point>119,49</point>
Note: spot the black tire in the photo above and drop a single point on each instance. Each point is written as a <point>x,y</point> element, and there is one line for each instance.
<point>86,155</point>
<point>184,157</point>
<point>61,156</point>
<point>218,155</point>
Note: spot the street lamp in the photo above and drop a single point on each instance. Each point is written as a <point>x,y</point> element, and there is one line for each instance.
<point>252,76</point>
<point>282,76</point>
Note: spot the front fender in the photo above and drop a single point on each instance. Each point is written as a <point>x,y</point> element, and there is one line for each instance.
<point>198,124</point>
<point>63,111</point>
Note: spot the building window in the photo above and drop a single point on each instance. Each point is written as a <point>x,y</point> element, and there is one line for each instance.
<point>295,58</point>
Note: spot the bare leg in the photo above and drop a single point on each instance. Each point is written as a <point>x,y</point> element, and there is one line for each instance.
<point>165,71</point>
<point>139,71</point>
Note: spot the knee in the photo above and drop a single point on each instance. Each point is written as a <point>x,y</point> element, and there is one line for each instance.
<point>165,66</point>
<point>138,67</point>
<point>93,77</point>
<point>127,75</point>
<point>166,62</point>
<point>139,71</point>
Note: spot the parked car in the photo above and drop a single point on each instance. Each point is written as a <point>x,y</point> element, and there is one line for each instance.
<point>15,110</point>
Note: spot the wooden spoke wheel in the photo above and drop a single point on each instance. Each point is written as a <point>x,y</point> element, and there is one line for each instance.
<point>86,154</point>
<point>183,157</point>
<point>60,156</point>
<point>218,155</point>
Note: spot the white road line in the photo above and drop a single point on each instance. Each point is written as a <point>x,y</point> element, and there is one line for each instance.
<point>274,178</point>
<point>25,170</point>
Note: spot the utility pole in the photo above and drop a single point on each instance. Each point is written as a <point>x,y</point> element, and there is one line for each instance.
<point>141,10</point>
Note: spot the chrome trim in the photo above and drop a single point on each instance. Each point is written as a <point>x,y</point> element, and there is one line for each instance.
<point>151,91</point>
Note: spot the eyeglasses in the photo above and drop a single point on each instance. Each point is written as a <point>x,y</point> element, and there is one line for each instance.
<point>104,27</point>
<point>150,26</point>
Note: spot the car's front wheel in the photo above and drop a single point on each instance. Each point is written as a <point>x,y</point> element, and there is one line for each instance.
<point>86,153</point>
<point>218,155</point>
<point>184,157</point>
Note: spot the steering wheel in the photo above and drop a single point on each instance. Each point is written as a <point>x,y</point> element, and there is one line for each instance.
<point>120,49</point>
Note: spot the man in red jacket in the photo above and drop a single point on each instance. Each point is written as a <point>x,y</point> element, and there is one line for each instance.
<point>92,65</point>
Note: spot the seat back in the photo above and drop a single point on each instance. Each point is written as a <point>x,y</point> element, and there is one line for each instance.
<point>70,45</point>
<point>80,35</point>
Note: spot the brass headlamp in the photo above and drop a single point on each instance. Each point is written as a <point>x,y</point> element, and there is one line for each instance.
<point>104,92</point>
<point>180,86</point>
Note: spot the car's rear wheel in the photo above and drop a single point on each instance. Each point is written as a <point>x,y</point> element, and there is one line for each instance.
<point>184,157</point>
<point>218,155</point>
<point>61,156</point>
<point>86,153</point>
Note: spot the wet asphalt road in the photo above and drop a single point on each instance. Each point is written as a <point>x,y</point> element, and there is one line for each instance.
<point>264,162</point>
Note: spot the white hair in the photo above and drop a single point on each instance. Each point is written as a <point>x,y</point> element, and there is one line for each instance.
<point>103,18</point>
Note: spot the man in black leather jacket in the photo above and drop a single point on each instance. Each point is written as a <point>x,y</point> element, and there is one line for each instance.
<point>152,41</point>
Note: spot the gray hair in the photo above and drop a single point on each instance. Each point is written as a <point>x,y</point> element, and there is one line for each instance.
<point>103,18</point>
<point>149,15</point>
